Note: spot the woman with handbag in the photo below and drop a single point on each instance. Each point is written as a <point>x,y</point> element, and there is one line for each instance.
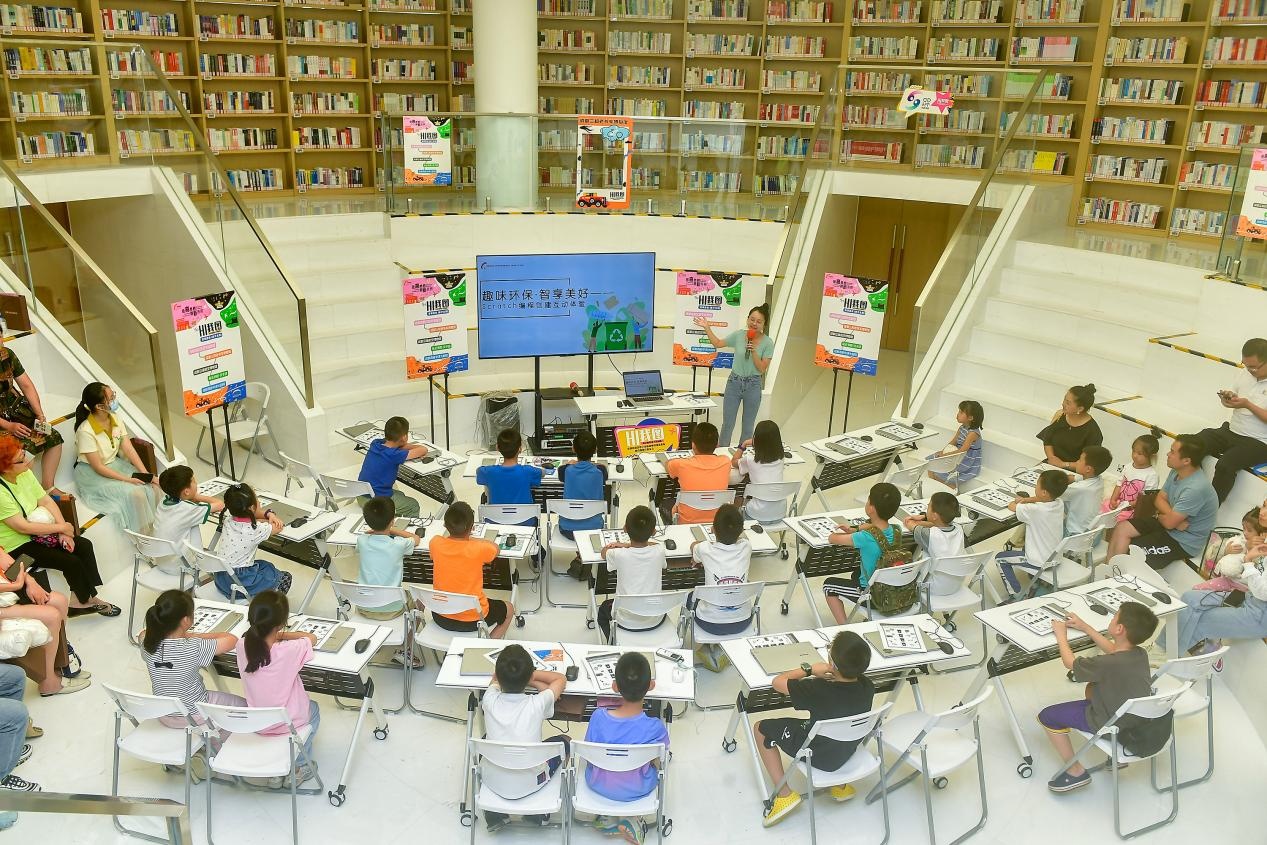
<point>22,415</point>
<point>31,524</point>
<point>48,665</point>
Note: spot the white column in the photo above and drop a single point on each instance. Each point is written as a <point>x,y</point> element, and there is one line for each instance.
<point>506,81</point>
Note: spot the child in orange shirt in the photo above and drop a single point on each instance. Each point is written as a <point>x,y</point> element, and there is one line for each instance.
<point>702,471</point>
<point>459,563</point>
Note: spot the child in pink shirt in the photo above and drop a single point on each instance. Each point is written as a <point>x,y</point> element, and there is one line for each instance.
<point>269,660</point>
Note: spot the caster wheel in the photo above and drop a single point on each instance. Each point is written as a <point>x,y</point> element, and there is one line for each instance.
<point>729,745</point>
<point>519,622</point>
<point>589,624</point>
<point>380,733</point>
<point>951,626</point>
<point>1025,770</point>
<point>940,783</point>
<point>1001,640</point>
<point>667,828</point>
<point>783,608</point>
<point>784,554</point>
<point>336,798</point>
<point>467,818</point>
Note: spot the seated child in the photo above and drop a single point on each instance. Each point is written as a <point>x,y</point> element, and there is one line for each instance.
<point>173,656</point>
<point>1230,566</point>
<point>510,482</point>
<point>626,724</point>
<point>638,565</point>
<point>382,552</point>
<point>269,660</point>
<point>249,524</point>
<point>763,466</point>
<point>382,464</point>
<point>725,561</point>
<point>584,480</point>
<point>181,514</point>
<point>702,472</point>
<point>938,535</point>
<point>1137,478</point>
<point>1120,673</point>
<point>828,691</point>
<point>882,504</point>
<point>459,563</point>
<point>1085,492</point>
<point>510,715</point>
<point>1043,516</point>
<point>967,442</point>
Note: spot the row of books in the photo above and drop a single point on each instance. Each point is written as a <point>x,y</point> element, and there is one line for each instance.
<point>876,82</point>
<point>1198,221</point>
<point>787,113</point>
<point>1136,90</point>
<point>873,117</point>
<point>650,76</point>
<point>1232,92</point>
<point>716,143</point>
<point>1049,11</point>
<point>72,101</point>
<point>330,177</point>
<point>420,69</point>
<point>771,183</point>
<point>956,120</point>
<point>237,64</point>
<point>721,44</point>
<point>413,34</point>
<point>462,72</point>
<point>810,46</point>
<point>960,84</point>
<point>327,102</point>
<point>1125,212</point>
<point>325,136</point>
<point>1043,162</point>
<point>563,177</point>
<point>1207,174</point>
<point>555,72</point>
<point>784,146</point>
<point>797,11</point>
<point>255,179</point>
<point>238,102</point>
<point>717,10</point>
<point>952,47</point>
<point>1169,49</point>
<point>41,18</point>
<point>864,46</point>
<point>56,144</point>
<point>131,101</point>
<point>1236,50</point>
<point>1150,10</point>
<point>324,67</point>
<point>1135,129</point>
<point>888,11</point>
<point>331,31</point>
<point>561,105</point>
<point>628,41</point>
<point>137,141</point>
<point>710,180</point>
<point>567,39</point>
<point>962,11</point>
<point>641,8</point>
<point>791,80</point>
<point>1045,48</point>
<point>1127,168</point>
<point>637,107</point>
<point>242,138</point>
<point>1221,133</point>
<point>461,38</point>
<point>131,64</point>
<point>236,26</point>
<point>887,152</point>
<point>405,103</point>
<point>1038,125</point>
<point>949,155</point>
<point>1231,10</point>
<point>1054,86</point>
<point>565,7</point>
<point>44,60</point>
<point>139,22</point>
<point>713,110</point>
<point>715,77</point>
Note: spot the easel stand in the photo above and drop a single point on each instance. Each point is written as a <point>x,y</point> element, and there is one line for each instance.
<point>431,406</point>
<point>215,452</point>
<point>708,386</point>
<point>848,396</point>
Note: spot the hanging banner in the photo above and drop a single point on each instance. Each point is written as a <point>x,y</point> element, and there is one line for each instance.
<point>208,343</point>
<point>647,439</point>
<point>849,324</point>
<point>617,135</point>
<point>428,156</point>
<point>436,323</point>
<point>1252,221</point>
<point>724,300</point>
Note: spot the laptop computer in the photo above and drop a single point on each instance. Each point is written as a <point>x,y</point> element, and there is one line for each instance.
<point>644,387</point>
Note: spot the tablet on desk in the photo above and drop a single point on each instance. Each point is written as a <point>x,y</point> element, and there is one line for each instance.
<point>286,513</point>
<point>479,661</point>
<point>777,659</point>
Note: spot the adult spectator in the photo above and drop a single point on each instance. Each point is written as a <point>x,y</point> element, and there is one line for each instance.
<point>1205,619</point>
<point>1072,429</point>
<point>109,473</point>
<point>22,413</point>
<point>48,664</point>
<point>1241,442</point>
<point>1184,511</point>
<point>13,749</point>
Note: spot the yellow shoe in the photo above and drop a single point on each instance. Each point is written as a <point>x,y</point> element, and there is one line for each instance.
<point>843,793</point>
<point>783,804</point>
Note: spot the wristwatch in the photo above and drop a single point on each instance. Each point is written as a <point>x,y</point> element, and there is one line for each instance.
<point>807,669</point>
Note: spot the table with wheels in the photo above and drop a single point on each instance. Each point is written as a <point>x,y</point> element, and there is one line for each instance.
<point>858,454</point>
<point>674,682</point>
<point>620,473</point>
<point>1021,645</point>
<point>429,475</point>
<point>342,674</point>
<point>608,406</point>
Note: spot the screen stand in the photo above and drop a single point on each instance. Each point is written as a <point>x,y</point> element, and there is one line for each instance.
<point>536,393</point>
<point>589,374</point>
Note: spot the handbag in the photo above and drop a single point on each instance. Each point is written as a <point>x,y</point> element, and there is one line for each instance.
<point>50,540</point>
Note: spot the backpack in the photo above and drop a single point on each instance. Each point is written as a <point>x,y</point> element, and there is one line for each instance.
<point>1144,737</point>
<point>885,598</point>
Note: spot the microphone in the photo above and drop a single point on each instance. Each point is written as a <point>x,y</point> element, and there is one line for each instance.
<point>752,335</point>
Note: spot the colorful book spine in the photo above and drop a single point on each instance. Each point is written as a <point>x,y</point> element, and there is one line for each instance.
<point>1121,212</point>
<point>1127,168</point>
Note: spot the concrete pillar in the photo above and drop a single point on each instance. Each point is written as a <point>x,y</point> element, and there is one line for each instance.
<point>505,33</point>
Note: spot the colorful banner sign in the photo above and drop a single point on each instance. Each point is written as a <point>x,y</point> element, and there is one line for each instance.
<point>208,342</point>
<point>436,323</point>
<point>640,439</point>
<point>616,134</point>
<point>428,155</point>
<point>1252,221</point>
<point>918,100</point>
<point>723,299</point>
<point>849,324</point>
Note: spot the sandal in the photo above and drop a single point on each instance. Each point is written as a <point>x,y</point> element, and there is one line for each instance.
<point>33,732</point>
<point>102,607</point>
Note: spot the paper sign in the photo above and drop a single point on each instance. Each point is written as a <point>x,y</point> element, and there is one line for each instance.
<point>850,322</point>
<point>436,322</point>
<point>1252,221</point>
<point>428,157</point>
<point>617,135</point>
<point>208,341</point>
<point>639,439</point>
<point>918,100</point>
<point>723,299</point>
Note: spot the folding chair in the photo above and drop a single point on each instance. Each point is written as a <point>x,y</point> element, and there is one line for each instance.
<point>243,426</point>
<point>668,634</point>
<point>1071,562</point>
<point>145,550</point>
<point>152,741</point>
<point>249,754</point>
<point>518,515</point>
<point>517,757</point>
<point>956,583</point>
<point>203,562</point>
<point>300,474</point>
<point>862,763</point>
<point>1191,670</point>
<point>619,758</point>
<point>771,492</point>
<point>341,491</point>
<point>353,597</point>
<point>426,633</point>
<point>1106,741</point>
<point>910,480</point>
<point>934,745</point>
<point>893,576</point>
<point>746,596</point>
<point>557,509</point>
<point>705,500</point>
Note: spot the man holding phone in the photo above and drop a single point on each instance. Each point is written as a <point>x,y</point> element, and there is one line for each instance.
<point>1241,443</point>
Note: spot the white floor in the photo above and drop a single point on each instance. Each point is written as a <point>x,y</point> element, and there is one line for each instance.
<point>411,781</point>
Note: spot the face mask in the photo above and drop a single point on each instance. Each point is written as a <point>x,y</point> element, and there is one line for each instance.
<point>114,404</point>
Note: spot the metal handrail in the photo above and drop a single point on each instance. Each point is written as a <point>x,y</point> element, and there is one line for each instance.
<point>176,814</point>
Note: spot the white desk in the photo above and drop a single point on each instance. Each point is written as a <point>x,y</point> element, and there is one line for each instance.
<point>619,470</point>
<point>342,674</point>
<point>682,536</point>
<point>429,475</point>
<point>991,500</point>
<point>654,462</point>
<point>867,451</point>
<point>525,545</point>
<point>605,404</point>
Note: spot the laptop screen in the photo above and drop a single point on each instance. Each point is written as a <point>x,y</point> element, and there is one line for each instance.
<point>643,383</point>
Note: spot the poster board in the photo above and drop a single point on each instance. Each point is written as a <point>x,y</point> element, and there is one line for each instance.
<point>641,439</point>
<point>850,323</point>
<point>427,150</point>
<point>209,346</point>
<point>724,299</point>
<point>1252,221</point>
<point>617,137</point>
<point>436,322</point>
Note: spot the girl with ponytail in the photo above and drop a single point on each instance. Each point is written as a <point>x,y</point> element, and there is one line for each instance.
<point>269,660</point>
<point>173,655</point>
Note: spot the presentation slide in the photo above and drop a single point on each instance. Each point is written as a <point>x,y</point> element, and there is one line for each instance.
<point>572,304</point>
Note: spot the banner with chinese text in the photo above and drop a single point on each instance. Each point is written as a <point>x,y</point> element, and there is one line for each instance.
<point>208,341</point>
<point>428,155</point>
<point>724,300</point>
<point>616,137</point>
<point>850,322</point>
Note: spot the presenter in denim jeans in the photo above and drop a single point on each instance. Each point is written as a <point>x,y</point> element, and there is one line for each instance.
<point>13,721</point>
<point>753,352</point>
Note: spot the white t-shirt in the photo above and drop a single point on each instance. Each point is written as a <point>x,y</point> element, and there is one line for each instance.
<point>724,563</point>
<point>1045,528</point>
<point>238,540</point>
<point>1082,504</point>
<point>515,717</point>
<point>638,572</point>
<point>175,521</point>
<point>762,474</point>
<point>938,544</point>
<point>1147,476</point>
<point>1243,419</point>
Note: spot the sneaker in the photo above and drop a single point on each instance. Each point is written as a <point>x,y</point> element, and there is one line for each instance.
<point>24,754</point>
<point>494,822</point>
<point>843,793</point>
<point>1065,782</point>
<point>303,774</point>
<point>17,784</point>
<point>8,819</point>
<point>780,807</point>
<point>69,686</point>
<point>630,830</point>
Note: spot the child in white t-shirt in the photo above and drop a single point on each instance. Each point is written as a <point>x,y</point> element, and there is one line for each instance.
<point>181,514</point>
<point>1043,516</point>
<point>938,535</point>
<point>764,465</point>
<point>1138,478</point>
<point>639,566</point>
<point>725,560</point>
<point>1086,489</point>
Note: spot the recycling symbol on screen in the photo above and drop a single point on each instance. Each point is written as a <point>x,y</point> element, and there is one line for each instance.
<point>615,336</point>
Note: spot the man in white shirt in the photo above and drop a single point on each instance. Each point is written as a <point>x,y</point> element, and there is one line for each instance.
<point>1241,443</point>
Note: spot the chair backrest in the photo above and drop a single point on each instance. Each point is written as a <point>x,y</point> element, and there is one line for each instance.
<point>297,470</point>
<point>141,707</point>
<point>705,500</point>
<point>515,756</point>
<point>614,757</point>
<point>368,596</point>
<point>1191,668</point>
<point>1108,519</point>
<point>566,508</point>
<point>905,478</point>
<point>244,720</point>
<point>961,715</point>
<point>259,392</point>
<point>772,491</point>
<point>443,602</point>
<point>1076,544</point>
<point>1150,706</point>
<point>730,595</point>
<point>509,514</point>
<point>346,488</point>
<point>151,547</point>
<point>898,576</point>
<point>943,463</point>
<point>205,561</point>
<point>948,574</point>
<point>849,728</point>
<point>650,604</point>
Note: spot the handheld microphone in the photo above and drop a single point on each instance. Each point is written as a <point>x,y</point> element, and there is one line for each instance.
<point>752,335</point>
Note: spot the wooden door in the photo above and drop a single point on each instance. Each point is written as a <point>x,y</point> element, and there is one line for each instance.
<point>925,230</point>
<point>875,237</point>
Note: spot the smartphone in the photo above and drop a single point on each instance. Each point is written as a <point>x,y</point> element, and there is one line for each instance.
<point>146,477</point>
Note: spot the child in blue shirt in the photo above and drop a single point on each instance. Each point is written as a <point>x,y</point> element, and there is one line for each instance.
<point>510,482</point>
<point>582,479</point>
<point>882,504</point>
<point>382,552</point>
<point>382,463</point>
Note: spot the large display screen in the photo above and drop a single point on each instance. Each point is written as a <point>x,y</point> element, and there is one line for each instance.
<point>590,303</point>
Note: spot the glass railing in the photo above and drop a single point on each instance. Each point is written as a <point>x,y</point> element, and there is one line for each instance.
<point>66,114</point>
<point>67,288</point>
<point>1243,247</point>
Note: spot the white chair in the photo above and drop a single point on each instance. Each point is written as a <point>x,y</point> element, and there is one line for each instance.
<point>746,596</point>
<point>705,500</point>
<point>1070,563</point>
<point>301,474</point>
<point>668,634</point>
<point>150,740</point>
<point>517,757</point>
<point>935,744</point>
<point>243,425</point>
<point>902,575</point>
<point>1106,740</point>
<point>340,491</point>
<point>353,597</point>
<point>910,480</point>
<point>509,514</point>
<point>1199,698</point>
<point>249,754</point>
<point>861,764</point>
<point>203,562</point>
<point>557,509</point>
<point>430,635</point>
<point>785,492</point>
<point>145,550</point>
<point>956,583</point>
<point>619,758</point>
